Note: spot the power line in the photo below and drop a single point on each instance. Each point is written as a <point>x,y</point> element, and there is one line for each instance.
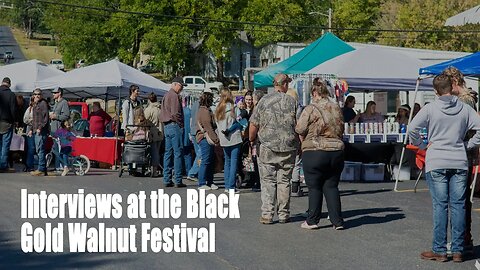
<point>244,23</point>
<point>237,29</point>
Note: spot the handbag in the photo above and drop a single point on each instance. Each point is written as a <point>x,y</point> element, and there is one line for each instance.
<point>205,134</point>
<point>247,162</point>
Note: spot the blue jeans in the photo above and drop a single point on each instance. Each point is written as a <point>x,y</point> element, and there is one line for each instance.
<point>62,156</point>
<point>5,141</point>
<point>237,125</point>
<point>30,159</point>
<point>198,156</point>
<point>40,140</point>
<point>187,157</point>
<point>172,159</point>
<point>447,188</point>
<point>230,154</point>
<point>205,174</point>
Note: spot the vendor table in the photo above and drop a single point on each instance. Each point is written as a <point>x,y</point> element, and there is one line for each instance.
<point>100,149</point>
<point>369,152</point>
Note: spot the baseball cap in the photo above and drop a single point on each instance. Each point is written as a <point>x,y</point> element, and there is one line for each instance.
<point>57,90</point>
<point>208,90</point>
<point>6,80</point>
<point>37,91</point>
<point>405,107</point>
<point>179,80</point>
<point>280,78</point>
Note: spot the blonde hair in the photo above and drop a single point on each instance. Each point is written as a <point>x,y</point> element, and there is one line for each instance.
<point>139,117</point>
<point>321,89</point>
<point>455,75</point>
<point>225,98</point>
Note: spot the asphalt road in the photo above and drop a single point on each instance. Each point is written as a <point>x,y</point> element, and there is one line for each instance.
<point>8,43</point>
<point>384,230</point>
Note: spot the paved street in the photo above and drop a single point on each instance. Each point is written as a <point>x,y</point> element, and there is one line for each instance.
<point>385,230</point>
<point>8,43</point>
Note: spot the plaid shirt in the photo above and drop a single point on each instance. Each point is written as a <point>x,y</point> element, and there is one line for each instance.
<point>40,116</point>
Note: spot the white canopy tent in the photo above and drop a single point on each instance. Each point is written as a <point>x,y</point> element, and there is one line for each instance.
<point>108,80</point>
<point>375,69</point>
<point>469,16</point>
<point>24,74</point>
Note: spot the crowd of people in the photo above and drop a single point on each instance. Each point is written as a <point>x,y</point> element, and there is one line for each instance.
<point>277,136</point>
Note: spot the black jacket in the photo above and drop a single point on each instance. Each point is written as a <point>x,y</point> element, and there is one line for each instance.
<point>8,104</point>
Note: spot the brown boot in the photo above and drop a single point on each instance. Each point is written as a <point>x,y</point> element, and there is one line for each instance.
<point>265,220</point>
<point>430,255</point>
<point>457,257</point>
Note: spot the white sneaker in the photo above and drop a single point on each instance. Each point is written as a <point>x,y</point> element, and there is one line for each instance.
<point>65,171</point>
<point>213,187</point>
<point>228,191</point>
<point>194,179</point>
<point>309,227</point>
<point>205,187</point>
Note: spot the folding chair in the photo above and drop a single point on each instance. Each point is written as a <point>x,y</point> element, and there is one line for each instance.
<point>419,161</point>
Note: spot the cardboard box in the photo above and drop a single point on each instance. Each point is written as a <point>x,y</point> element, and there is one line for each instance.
<point>351,171</point>
<point>373,172</point>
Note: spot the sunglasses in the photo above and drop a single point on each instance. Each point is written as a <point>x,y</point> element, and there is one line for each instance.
<point>37,94</point>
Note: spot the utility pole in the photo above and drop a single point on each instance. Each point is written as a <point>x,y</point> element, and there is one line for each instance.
<point>329,15</point>
<point>329,19</point>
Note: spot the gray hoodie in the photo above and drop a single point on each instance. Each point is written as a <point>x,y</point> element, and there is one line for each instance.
<point>447,121</point>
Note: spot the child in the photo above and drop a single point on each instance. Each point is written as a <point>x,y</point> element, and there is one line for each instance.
<point>66,137</point>
<point>447,120</point>
<point>241,121</point>
<point>141,131</point>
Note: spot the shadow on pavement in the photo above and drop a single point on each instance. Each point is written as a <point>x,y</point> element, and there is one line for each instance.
<point>364,217</point>
<point>12,257</point>
<point>349,192</point>
<point>475,256</point>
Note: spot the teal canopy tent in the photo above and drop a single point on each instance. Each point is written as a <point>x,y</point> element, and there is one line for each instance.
<point>323,49</point>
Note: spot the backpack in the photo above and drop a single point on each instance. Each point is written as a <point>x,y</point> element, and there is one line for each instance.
<point>136,110</point>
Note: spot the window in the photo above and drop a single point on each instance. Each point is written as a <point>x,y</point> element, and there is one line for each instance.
<point>189,80</point>
<point>199,81</point>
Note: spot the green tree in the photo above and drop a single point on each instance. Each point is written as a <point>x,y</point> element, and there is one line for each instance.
<point>82,34</point>
<point>428,15</point>
<point>356,14</point>
<point>29,16</point>
<point>278,13</point>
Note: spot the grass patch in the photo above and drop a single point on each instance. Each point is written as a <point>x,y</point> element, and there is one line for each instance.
<point>32,49</point>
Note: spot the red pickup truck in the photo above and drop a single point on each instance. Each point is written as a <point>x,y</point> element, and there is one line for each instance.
<point>81,111</point>
<point>78,108</point>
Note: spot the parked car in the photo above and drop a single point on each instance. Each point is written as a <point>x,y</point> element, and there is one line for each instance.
<point>8,55</point>
<point>198,84</point>
<point>80,63</point>
<point>57,63</point>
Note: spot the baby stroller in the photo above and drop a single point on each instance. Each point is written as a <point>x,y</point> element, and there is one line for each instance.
<point>135,154</point>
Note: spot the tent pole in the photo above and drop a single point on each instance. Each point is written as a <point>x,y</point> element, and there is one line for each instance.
<point>117,112</point>
<point>106,102</point>
<point>406,135</point>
